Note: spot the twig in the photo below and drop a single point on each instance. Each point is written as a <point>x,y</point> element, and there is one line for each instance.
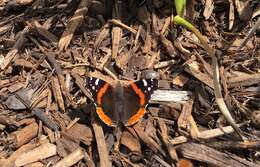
<point>72,123</point>
<point>207,134</point>
<point>170,96</point>
<point>17,46</point>
<point>39,153</point>
<point>101,144</point>
<point>212,156</point>
<point>73,24</point>
<point>250,33</point>
<point>119,23</point>
<point>162,162</point>
<point>71,159</point>
<point>116,30</point>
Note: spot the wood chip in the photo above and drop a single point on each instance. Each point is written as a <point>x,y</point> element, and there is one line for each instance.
<point>71,159</point>
<point>39,153</point>
<point>17,46</point>
<point>212,156</point>
<point>209,6</point>
<point>101,145</point>
<point>129,141</point>
<point>74,22</point>
<point>25,135</point>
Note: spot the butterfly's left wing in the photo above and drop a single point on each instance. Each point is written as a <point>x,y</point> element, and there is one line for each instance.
<point>101,92</point>
<point>138,94</point>
<point>96,86</point>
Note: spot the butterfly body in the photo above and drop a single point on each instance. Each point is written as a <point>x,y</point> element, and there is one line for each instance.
<point>120,103</point>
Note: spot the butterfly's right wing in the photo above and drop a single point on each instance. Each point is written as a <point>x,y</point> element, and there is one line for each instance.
<point>138,95</point>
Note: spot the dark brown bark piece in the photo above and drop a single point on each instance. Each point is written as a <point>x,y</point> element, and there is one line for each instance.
<point>211,156</point>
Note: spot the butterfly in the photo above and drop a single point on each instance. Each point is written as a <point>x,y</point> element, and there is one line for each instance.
<point>120,103</point>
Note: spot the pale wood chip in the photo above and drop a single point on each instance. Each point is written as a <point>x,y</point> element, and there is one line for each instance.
<point>192,69</point>
<point>101,144</point>
<point>43,151</point>
<point>13,52</point>
<point>56,89</point>
<point>71,159</point>
<point>209,6</point>
<point>119,23</point>
<point>231,14</point>
<point>73,24</point>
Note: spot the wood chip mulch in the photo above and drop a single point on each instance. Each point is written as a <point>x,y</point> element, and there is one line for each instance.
<point>49,48</point>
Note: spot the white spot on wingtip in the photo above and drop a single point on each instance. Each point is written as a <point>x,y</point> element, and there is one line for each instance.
<point>93,87</point>
<point>96,82</point>
<point>144,82</point>
<point>149,88</point>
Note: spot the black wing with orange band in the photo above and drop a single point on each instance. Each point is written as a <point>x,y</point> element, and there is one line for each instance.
<point>143,89</point>
<point>98,87</point>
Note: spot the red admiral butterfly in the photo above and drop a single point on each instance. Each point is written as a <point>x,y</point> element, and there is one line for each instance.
<point>121,104</point>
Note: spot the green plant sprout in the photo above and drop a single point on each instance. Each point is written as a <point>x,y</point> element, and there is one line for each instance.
<point>179,20</point>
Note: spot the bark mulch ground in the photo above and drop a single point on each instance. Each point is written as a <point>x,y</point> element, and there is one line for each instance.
<point>49,48</point>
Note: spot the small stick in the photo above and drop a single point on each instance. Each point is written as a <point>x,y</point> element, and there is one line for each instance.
<point>10,161</point>
<point>170,96</point>
<point>212,157</point>
<point>101,144</point>
<point>88,160</point>
<point>80,83</point>
<point>41,115</point>
<point>238,145</point>
<point>43,151</point>
<point>138,33</point>
<point>17,46</point>
<point>116,30</point>
<point>165,139</point>
<point>167,23</point>
<point>162,162</point>
<point>102,35</point>
<point>25,135</point>
<point>74,22</point>
<point>71,159</point>
<point>184,118</point>
<point>119,23</point>
<point>207,134</point>
<point>56,88</point>
<point>164,64</point>
<point>155,147</point>
<point>61,82</point>
<point>72,123</point>
<point>250,33</point>
<point>110,73</point>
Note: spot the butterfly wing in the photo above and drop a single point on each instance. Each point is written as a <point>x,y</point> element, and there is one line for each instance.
<point>102,94</point>
<point>145,88</point>
<point>139,94</point>
<point>94,86</point>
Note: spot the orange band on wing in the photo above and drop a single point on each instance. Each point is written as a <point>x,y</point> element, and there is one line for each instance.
<point>135,118</point>
<point>140,93</point>
<point>103,116</point>
<point>101,92</point>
